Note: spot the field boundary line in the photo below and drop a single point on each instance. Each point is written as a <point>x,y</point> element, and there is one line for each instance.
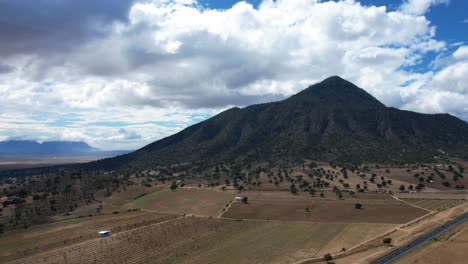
<point>307,222</point>
<point>398,199</point>
<point>225,209</point>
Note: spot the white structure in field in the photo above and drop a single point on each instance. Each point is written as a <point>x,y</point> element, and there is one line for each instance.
<point>104,233</point>
<point>238,199</point>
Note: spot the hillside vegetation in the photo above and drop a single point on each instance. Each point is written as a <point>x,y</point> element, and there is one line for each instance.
<point>330,121</point>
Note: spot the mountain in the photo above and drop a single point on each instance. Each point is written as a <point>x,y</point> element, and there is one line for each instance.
<point>333,120</point>
<point>29,148</point>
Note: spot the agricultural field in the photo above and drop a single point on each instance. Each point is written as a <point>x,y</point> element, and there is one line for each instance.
<point>105,205</point>
<point>24,242</point>
<point>202,202</point>
<point>205,240</point>
<point>376,208</point>
<point>462,195</point>
<point>22,163</point>
<point>433,204</point>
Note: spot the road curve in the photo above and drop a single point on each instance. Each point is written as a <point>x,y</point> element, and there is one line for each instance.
<point>397,253</point>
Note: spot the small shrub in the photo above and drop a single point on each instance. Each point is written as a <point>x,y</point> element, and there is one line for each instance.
<point>327,257</point>
<point>387,240</point>
<point>245,200</point>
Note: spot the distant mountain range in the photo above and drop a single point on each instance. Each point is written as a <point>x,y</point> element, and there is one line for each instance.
<point>333,120</point>
<point>30,148</point>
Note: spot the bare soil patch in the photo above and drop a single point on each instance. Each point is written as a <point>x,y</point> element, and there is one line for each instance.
<point>438,195</point>
<point>205,240</point>
<point>18,243</point>
<point>433,204</point>
<point>23,163</point>
<point>279,206</point>
<point>203,202</point>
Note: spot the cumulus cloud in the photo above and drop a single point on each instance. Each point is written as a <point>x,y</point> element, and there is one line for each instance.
<point>420,7</point>
<point>154,65</point>
<point>447,90</point>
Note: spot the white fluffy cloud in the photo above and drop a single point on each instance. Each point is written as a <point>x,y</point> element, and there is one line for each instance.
<point>420,7</point>
<point>171,62</point>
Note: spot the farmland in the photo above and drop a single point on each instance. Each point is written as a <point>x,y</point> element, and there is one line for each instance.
<point>198,222</point>
<point>48,236</point>
<point>284,206</point>
<point>21,163</point>
<point>433,204</point>
<point>204,240</point>
<point>204,202</point>
<point>108,204</point>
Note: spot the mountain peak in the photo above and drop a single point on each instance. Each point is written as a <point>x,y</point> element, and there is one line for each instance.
<point>334,79</point>
<point>338,92</point>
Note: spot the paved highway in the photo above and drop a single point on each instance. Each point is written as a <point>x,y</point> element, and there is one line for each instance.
<point>394,255</point>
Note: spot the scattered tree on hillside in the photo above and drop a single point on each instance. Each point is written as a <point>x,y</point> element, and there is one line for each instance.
<point>402,188</point>
<point>358,206</point>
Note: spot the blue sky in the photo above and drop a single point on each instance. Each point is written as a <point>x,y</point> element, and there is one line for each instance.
<point>120,75</point>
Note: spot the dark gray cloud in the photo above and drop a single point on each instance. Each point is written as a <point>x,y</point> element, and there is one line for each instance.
<point>6,68</point>
<point>42,26</point>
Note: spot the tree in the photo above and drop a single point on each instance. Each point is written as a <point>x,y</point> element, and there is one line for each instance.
<point>358,206</point>
<point>293,188</point>
<point>387,240</point>
<point>402,188</point>
<point>173,186</point>
<point>245,200</point>
<point>327,257</point>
